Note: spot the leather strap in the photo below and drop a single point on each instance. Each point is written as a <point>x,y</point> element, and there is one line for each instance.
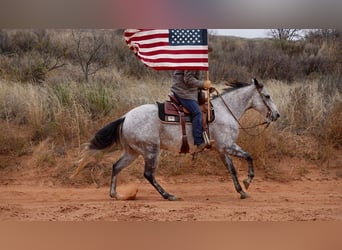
<point>185,148</point>
<point>185,145</point>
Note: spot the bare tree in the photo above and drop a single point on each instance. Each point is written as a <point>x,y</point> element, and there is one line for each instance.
<point>33,54</point>
<point>285,34</point>
<point>91,51</point>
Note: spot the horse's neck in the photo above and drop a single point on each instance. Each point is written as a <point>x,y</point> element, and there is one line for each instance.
<point>238,101</point>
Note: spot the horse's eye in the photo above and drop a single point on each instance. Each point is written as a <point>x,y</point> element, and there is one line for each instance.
<point>267,96</point>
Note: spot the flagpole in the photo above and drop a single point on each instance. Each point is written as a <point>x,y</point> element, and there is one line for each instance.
<point>208,90</point>
<point>208,94</point>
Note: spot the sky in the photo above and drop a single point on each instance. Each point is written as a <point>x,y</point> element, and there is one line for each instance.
<point>246,33</point>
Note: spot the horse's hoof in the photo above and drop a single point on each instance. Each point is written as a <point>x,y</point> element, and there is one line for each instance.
<point>243,195</point>
<point>173,198</point>
<point>114,196</point>
<point>246,183</point>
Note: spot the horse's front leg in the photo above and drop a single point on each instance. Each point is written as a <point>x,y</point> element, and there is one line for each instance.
<point>235,150</point>
<point>230,166</point>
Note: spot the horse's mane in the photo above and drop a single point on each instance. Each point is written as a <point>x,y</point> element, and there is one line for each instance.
<point>233,85</point>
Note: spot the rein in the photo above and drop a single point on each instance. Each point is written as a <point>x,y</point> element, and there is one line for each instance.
<point>263,100</point>
<point>241,127</point>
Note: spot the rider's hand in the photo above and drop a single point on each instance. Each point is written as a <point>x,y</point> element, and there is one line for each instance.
<point>207,84</point>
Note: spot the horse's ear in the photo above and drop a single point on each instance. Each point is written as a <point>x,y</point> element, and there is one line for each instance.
<point>257,84</point>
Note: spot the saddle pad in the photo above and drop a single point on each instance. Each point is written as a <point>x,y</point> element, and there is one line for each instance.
<point>168,113</point>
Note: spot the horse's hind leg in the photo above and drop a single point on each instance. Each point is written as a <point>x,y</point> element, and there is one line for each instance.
<point>151,162</point>
<point>126,159</point>
<point>230,166</point>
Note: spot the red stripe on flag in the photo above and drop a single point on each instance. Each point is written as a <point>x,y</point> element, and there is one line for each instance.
<point>147,37</point>
<point>152,45</point>
<point>172,60</point>
<point>204,68</point>
<point>174,52</point>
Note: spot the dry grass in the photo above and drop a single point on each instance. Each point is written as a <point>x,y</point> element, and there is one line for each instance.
<point>303,106</point>
<point>13,141</point>
<point>44,154</point>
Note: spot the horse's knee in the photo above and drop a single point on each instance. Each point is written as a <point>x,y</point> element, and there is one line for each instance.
<point>115,170</point>
<point>248,157</point>
<point>147,175</point>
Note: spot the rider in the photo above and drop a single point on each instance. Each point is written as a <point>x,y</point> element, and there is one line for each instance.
<point>185,87</point>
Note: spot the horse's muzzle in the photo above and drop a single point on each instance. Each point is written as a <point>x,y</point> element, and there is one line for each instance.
<point>272,116</point>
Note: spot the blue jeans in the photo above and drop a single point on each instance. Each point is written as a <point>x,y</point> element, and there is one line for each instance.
<point>196,115</point>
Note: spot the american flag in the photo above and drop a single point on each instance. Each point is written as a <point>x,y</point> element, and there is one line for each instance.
<point>162,49</point>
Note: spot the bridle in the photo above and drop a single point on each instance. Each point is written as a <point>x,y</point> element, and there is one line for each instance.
<point>258,88</point>
<point>235,118</point>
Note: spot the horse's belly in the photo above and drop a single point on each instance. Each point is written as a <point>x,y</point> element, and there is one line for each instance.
<point>171,136</point>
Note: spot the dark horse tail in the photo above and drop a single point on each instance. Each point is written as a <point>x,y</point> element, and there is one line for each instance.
<point>107,136</point>
<point>104,138</point>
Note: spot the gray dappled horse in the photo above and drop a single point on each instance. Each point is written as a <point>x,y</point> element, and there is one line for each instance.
<point>141,132</point>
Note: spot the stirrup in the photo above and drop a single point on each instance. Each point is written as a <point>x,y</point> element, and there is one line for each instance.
<point>207,140</point>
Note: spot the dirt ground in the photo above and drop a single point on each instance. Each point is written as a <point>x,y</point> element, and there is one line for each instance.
<point>315,197</point>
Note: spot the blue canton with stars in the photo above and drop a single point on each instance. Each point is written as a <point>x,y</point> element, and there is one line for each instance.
<point>188,37</point>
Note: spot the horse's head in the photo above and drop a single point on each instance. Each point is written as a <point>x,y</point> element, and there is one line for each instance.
<point>263,103</point>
